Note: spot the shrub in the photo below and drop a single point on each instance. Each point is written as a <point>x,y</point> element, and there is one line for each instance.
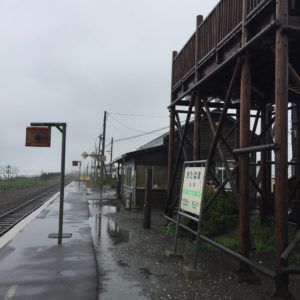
<point>221,217</point>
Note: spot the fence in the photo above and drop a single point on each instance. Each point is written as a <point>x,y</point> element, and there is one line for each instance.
<point>12,179</point>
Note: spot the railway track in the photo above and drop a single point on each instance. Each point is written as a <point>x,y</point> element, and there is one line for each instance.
<point>12,217</point>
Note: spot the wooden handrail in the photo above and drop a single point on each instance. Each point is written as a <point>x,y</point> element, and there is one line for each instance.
<point>218,25</point>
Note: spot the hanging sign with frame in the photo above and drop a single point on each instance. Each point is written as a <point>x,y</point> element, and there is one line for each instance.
<point>38,136</point>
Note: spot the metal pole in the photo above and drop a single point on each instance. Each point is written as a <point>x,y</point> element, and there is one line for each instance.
<point>79,174</point>
<point>62,184</point>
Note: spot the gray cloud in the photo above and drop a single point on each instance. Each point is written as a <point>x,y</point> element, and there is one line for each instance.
<point>69,60</point>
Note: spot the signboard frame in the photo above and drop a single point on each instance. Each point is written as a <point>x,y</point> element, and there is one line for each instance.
<point>75,163</point>
<point>42,140</point>
<point>38,136</point>
<point>188,213</point>
<point>192,189</point>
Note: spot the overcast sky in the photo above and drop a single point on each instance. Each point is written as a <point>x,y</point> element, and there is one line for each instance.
<point>70,60</point>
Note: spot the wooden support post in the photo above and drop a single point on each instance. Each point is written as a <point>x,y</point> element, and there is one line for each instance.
<point>147,205</point>
<point>171,137</point>
<point>197,121</point>
<point>297,201</point>
<point>244,162</point>
<point>171,151</point>
<point>176,166</point>
<point>263,168</point>
<point>281,157</point>
<point>237,144</point>
<point>269,156</point>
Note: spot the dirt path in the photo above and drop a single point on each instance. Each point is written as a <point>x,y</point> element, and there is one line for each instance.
<point>143,257</point>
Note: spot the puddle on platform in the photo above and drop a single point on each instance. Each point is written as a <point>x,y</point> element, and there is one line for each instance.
<point>107,234</point>
<point>117,234</point>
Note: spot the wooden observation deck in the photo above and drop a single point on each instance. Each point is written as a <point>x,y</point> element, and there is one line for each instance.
<point>244,60</point>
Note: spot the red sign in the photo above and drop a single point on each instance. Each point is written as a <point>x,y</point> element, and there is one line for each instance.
<point>38,136</point>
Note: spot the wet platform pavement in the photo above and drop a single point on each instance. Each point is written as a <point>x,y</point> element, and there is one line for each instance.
<point>114,283</point>
<point>33,266</point>
<point>103,260</point>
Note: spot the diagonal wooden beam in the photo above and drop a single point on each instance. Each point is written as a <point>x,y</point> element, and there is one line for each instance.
<point>231,130</point>
<point>257,117</point>
<point>218,190</point>
<point>223,139</point>
<point>178,125</point>
<point>235,77</point>
<point>220,150</point>
<point>181,135</point>
<point>172,182</point>
<point>294,75</point>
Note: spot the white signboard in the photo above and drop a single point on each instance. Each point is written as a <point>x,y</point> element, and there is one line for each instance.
<point>192,189</point>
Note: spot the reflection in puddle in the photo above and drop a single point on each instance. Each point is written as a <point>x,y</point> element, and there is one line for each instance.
<point>117,234</point>
<point>107,234</point>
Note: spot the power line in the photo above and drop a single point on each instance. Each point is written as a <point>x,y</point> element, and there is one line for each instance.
<point>122,124</point>
<point>123,135</point>
<point>138,115</point>
<point>139,135</point>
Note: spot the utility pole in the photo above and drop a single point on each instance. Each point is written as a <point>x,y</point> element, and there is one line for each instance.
<point>103,150</point>
<point>99,153</point>
<point>111,155</point>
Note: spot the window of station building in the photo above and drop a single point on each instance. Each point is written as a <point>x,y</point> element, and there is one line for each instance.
<point>141,176</point>
<point>159,177</point>
<point>128,175</point>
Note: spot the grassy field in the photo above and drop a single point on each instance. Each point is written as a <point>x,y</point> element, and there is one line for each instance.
<point>26,181</point>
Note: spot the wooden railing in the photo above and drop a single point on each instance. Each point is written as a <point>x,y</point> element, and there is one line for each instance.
<point>224,19</point>
<point>252,4</point>
<point>185,60</point>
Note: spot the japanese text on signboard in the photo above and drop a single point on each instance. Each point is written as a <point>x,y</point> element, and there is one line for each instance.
<point>192,189</point>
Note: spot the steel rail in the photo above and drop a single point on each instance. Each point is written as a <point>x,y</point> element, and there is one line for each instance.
<point>18,210</point>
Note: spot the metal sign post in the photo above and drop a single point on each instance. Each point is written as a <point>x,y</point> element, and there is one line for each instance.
<point>191,199</point>
<point>100,158</point>
<point>36,137</point>
<point>75,163</point>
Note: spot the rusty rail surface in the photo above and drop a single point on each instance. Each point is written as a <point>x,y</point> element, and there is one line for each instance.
<point>224,21</point>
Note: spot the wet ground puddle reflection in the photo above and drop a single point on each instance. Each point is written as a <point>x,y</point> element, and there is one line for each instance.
<point>107,234</point>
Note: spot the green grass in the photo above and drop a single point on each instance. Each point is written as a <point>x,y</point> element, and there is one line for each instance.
<point>263,239</point>
<point>220,222</point>
<point>23,182</point>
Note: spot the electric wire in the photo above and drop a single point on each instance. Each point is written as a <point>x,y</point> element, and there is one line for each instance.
<point>121,123</point>
<point>121,134</point>
<point>138,115</point>
<point>139,135</point>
